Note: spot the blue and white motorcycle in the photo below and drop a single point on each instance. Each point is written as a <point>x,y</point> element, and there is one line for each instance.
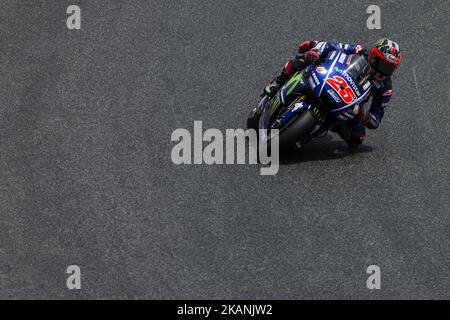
<point>314,100</point>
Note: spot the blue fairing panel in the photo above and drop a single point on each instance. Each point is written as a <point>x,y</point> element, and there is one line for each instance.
<point>295,109</point>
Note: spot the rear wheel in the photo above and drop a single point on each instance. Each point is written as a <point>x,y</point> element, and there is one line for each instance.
<point>253,120</point>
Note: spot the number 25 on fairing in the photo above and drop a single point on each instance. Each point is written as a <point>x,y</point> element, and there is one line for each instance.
<point>341,87</point>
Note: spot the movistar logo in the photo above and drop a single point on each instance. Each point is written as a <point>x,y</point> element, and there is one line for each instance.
<point>338,70</point>
<point>352,83</point>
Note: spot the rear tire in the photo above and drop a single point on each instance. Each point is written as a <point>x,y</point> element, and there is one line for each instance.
<point>253,120</point>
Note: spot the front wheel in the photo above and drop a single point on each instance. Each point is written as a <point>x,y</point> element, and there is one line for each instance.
<point>304,124</point>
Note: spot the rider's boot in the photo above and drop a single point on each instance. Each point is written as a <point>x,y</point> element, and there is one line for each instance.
<point>274,86</point>
<point>299,62</point>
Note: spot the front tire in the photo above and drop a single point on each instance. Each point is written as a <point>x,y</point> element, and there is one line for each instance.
<point>297,130</point>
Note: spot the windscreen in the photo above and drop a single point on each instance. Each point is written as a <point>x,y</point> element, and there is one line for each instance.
<point>358,68</point>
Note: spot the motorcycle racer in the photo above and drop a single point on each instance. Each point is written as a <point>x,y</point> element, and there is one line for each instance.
<point>383,58</point>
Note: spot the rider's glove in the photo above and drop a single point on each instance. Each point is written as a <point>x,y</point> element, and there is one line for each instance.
<point>312,56</point>
<point>306,46</point>
<point>359,50</point>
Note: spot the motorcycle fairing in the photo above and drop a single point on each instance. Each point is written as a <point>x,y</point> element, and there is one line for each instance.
<point>319,80</point>
<point>333,77</point>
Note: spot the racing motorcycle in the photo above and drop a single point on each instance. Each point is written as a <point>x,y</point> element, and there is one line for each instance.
<point>313,101</point>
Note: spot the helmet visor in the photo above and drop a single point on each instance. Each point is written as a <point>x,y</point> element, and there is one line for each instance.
<point>384,67</point>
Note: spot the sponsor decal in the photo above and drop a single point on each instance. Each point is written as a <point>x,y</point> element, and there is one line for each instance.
<point>349,115</point>
<point>377,84</point>
<point>321,70</point>
<point>366,85</point>
<point>334,95</point>
<point>292,83</point>
<point>320,46</point>
<point>312,83</point>
<point>341,87</point>
<point>316,80</point>
<point>342,58</point>
<point>349,60</point>
<point>352,83</point>
<point>297,106</point>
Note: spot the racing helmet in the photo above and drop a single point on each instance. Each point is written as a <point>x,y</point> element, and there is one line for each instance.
<point>385,57</point>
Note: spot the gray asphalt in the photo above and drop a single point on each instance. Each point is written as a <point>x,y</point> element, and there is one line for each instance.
<point>86,176</point>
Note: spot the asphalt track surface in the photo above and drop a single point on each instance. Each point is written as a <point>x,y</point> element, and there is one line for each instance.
<point>86,176</point>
